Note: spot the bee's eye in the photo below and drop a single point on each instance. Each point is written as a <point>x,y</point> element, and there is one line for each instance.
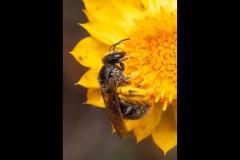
<point>118,55</point>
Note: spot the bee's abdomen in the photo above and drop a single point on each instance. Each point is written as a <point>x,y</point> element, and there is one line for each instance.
<point>132,111</point>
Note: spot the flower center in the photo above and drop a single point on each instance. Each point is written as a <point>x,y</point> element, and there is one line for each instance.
<point>152,52</point>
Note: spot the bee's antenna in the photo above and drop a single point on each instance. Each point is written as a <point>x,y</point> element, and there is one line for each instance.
<point>114,45</point>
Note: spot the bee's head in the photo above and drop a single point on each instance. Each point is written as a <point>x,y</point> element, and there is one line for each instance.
<point>113,57</point>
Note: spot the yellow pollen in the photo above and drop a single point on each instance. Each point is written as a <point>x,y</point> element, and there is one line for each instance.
<point>152,52</point>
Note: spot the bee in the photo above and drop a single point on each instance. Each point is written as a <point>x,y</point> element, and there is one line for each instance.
<point>110,77</point>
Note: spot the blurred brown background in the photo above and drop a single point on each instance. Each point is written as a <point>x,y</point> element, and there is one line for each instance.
<point>86,129</point>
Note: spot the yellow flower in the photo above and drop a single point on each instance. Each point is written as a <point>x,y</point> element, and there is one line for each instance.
<point>151,26</point>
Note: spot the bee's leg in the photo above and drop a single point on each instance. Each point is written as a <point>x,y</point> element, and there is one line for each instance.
<point>131,91</point>
<point>123,59</point>
<point>121,64</point>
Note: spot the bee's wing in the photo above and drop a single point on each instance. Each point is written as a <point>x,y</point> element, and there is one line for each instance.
<point>113,109</point>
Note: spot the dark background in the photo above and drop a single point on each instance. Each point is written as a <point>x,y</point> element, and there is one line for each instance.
<point>86,129</point>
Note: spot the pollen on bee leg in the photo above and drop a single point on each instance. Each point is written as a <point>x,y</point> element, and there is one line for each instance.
<point>128,90</point>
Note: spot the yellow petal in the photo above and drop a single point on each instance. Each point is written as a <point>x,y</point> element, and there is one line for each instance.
<point>108,33</point>
<point>89,79</point>
<point>102,10</point>
<point>165,135</point>
<point>94,18</point>
<point>153,5</point>
<point>89,52</point>
<point>105,21</point>
<point>149,5</point>
<point>142,128</point>
<point>137,4</point>
<point>94,98</point>
<point>167,4</point>
<point>128,11</point>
